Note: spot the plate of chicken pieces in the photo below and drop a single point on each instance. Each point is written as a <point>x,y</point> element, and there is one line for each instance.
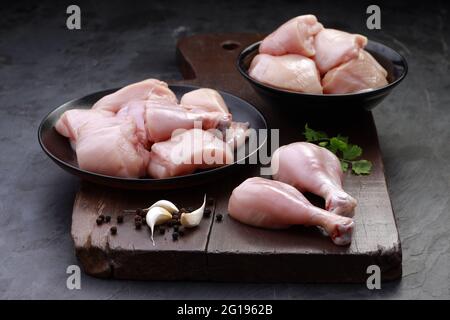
<point>310,65</point>
<point>149,135</point>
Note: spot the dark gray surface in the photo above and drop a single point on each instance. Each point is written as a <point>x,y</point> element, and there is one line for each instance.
<point>42,65</point>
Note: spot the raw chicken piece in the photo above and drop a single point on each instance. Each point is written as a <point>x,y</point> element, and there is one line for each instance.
<point>295,36</point>
<point>209,99</point>
<point>236,134</point>
<point>69,122</point>
<point>161,120</point>
<point>272,204</point>
<point>334,47</point>
<point>136,111</point>
<point>291,72</point>
<point>186,152</point>
<point>144,90</point>
<point>110,147</point>
<point>361,73</point>
<point>314,169</point>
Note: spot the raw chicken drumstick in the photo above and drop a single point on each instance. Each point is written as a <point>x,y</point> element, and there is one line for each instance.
<point>314,169</point>
<point>272,204</point>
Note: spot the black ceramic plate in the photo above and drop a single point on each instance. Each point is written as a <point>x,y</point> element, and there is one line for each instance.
<point>394,63</point>
<point>59,150</point>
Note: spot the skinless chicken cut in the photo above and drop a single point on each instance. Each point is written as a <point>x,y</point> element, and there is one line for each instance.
<point>314,169</point>
<point>334,47</point>
<point>162,119</point>
<point>272,204</point>
<point>295,36</point>
<point>71,120</point>
<point>359,74</point>
<point>206,98</point>
<point>236,134</point>
<point>187,152</point>
<point>136,110</point>
<point>110,146</point>
<point>290,71</point>
<point>145,90</point>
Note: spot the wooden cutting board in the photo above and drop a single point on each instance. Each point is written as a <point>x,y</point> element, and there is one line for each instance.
<point>229,250</point>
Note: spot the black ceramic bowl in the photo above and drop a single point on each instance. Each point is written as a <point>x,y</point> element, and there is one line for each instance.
<point>394,63</point>
<point>59,150</point>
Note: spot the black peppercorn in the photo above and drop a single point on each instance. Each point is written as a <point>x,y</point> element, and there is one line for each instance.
<point>207,212</point>
<point>219,217</point>
<point>119,219</point>
<point>175,236</point>
<point>175,228</point>
<point>181,233</point>
<point>137,218</point>
<point>101,217</point>
<point>107,219</point>
<point>113,230</point>
<point>138,224</point>
<point>99,221</point>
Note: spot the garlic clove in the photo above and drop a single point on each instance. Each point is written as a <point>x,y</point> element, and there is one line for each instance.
<point>156,216</point>
<point>165,204</point>
<point>192,219</point>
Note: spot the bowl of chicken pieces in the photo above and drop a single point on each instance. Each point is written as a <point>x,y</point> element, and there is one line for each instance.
<point>304,65</point>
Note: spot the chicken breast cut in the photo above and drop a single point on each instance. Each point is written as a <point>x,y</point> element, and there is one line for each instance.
<point>144,90</point>
<point>110,147</point>
<point>290,72</point>
<point>162,119</point>
<point>71,120</point>
<point>314,169</point>
<point>136,110</point>
<point>236,134</point>
<point>334,47</point>
<point>187,152</point>
<point>272,204</point>
<point>295,36</point>
<point>206,98</point>
<point>359,74</point>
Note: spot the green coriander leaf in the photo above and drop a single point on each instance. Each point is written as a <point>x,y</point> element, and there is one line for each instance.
<point>343,138</point>
<point>352,152</point>
<point>344,166</point>
<point>361,167</point>
<point>312,135</point>
<point>332,148</point>
<point>323,143</point>
<point>338,144</point>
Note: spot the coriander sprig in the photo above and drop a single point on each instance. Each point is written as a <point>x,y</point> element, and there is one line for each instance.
<point>346,152</point>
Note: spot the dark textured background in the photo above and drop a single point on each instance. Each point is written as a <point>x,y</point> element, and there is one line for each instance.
<point>42,65</point>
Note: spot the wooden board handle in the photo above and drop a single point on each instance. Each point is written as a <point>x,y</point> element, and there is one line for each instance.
<point>210,58</point>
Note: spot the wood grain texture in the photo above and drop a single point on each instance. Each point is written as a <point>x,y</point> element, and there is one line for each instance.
<point>230,251</point>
